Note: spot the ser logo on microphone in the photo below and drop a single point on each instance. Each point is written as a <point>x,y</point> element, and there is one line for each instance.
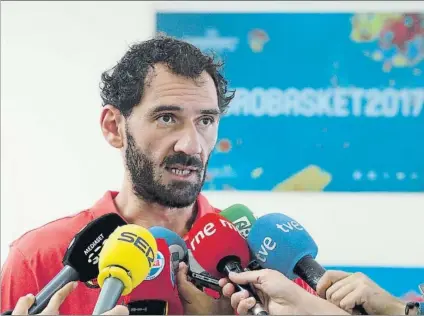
<point>141,244</point>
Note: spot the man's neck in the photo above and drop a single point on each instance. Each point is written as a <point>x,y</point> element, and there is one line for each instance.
<point>136,211</point>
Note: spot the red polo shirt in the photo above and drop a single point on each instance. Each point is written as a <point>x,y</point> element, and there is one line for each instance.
<point>36,257</point>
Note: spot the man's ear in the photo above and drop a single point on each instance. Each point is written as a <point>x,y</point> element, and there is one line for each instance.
<point>111,122</point>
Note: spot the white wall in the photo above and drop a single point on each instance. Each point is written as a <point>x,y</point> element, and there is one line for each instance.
<point>54,161</point>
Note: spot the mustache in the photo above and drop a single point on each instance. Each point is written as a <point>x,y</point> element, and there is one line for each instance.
<point>184,160</point>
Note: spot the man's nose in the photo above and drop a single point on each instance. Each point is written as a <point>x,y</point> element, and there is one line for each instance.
<point>188,142</point>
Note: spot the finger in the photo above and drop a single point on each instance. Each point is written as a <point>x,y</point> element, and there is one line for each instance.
<point>351,300</point>
<point>228,290</point>
<point>58,298</point>
<point>247,276</point>
<point>341,293</point>
<point>223,281</point>
<point>338,285</point>
<point>182,269</point>
<point>118,310</point>
<point>237,297</point>
<point>185,287</point>
<point>328,279</point>
<point>262,296</point>
<point>245,305</point>
<point>23,305</point>
<point>182,278</point>
<point>334,288</point>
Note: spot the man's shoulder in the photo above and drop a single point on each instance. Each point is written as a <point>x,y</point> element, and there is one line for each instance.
<point>206,206</point>
<point>53,237</point>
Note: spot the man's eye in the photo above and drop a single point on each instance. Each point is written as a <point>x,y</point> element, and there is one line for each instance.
<point>206,121</point>
<point>166,119</point>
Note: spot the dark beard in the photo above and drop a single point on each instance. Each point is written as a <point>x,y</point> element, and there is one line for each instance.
<point>146,183</point>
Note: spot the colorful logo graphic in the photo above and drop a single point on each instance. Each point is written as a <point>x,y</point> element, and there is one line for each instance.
<point>314,112</point>
<point>311,178</point>
<point>257,40</point>
<point>243,225</point>
<point>256,173</point>
<point>223,146</point>
<point>157,268</point>
<point>398,38</point>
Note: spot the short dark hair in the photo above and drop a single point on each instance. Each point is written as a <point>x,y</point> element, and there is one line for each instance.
<point>123,85</point>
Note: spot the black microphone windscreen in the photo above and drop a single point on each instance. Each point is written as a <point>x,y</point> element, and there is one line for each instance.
<point>83,251</point>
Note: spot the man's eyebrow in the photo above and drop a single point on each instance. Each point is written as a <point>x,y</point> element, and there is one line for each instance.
<point>164,108</point>
<point>210,112</point>
<point>177,108</point>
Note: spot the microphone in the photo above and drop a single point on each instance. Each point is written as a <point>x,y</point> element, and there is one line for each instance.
<point>241,217</point>
<point>201,278</point>
<point>179,252</point>
<point>280,243</point>
<point>220,249</point>
<point>80,260</point>
<point>176,244</point>
<point>124,262</point>
<point>159,284</point>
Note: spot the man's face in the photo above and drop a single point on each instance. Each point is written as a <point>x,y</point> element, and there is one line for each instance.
<point>170,136</point>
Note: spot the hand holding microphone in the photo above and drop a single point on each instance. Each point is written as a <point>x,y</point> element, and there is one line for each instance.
<point>347,290</point>
<point>80,260</point>
<point>176,244</point>
<point>280,243</point>
<point>52,308</point>
<point>220,249</point>
<point>125,261</point>
<point>194,301</point>
<point>25,302</point>
<point>280,295</point>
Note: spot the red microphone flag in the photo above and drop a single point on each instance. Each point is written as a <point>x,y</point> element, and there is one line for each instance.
<point>213,238</point>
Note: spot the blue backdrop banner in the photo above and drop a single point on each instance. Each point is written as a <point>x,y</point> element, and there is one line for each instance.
<point>324,102</point>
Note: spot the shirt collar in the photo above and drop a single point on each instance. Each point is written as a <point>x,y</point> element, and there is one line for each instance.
<point>107,205</point>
